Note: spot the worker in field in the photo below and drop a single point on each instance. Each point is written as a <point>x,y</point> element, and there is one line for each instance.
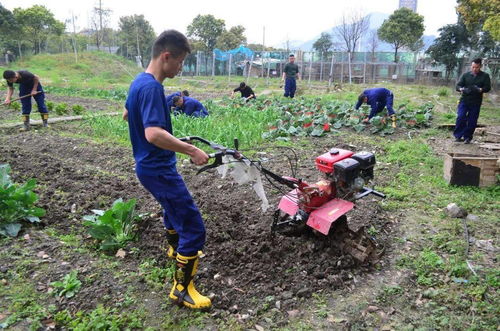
<point>184,93</point>
<point>471,85</point>
<point>154,147</point>
<point>378,99</point>
<point>29,86</point>
<point>189,106</point>
<point>245,91</point>
<point>290,76</point>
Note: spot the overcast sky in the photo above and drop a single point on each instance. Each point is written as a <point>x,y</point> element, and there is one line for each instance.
<point>282,20</point>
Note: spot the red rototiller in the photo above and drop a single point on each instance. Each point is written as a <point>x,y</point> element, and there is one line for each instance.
<point>320,206</point>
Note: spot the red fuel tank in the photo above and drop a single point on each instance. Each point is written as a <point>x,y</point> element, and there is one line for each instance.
<point>325,162</point>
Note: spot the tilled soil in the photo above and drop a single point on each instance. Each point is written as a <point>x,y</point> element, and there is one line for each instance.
<point>243,265</point>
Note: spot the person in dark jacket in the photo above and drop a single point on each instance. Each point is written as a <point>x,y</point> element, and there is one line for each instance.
<point>291,73</point>
<point>189,106</point>
<point>472,85</point>
<point>378,99</point>
<point>29,86</point>
<point>245,90</point>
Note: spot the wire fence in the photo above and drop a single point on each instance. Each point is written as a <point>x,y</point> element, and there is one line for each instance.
<point>332,67</point>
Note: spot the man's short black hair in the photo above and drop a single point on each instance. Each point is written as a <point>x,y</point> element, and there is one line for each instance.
<point>176,99</point>
<point>8,74</point>
<point>185,93</point>
<point>478,61</point>
<point>172,41</point>
<point>362,97</point>
<point>242,85</point>
<point>291,55</point>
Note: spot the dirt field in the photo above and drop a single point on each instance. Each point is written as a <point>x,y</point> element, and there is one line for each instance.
<point>244,268</point>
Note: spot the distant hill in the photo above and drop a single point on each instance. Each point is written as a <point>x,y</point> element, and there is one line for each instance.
<point>376,20</point>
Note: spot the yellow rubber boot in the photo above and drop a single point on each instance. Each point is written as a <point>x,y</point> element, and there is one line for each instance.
<point>45,119</point>
<point>183,291</point>
<point>393,118</point>
<point>173,242</point>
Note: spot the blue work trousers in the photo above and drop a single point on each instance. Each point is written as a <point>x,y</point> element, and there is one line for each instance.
<point>25,89</point>
<point>179,210</point>
<point>290,87</point>
<point>467,115</point>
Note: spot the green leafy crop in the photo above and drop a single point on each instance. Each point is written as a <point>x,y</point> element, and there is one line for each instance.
<point>68,286</point>
<point>114,227</point>
<point>16,203</point>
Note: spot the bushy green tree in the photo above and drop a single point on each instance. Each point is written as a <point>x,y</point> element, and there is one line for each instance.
<point>232,38</point>
<point>481,15</point>
<point>136,37</point>
<point>37,23</point>
<point>324,43</point>
<point>207,29</point>
<point>447,46</point>
<point>402,29</point>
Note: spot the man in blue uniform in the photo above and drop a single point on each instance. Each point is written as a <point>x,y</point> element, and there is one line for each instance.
<point>29,86</point>
<point>378,99</point>
<point>291,73</point>
<point>189,106</point>
<point>471,85</point>
<point>154,148</point>
<point>169,97</point>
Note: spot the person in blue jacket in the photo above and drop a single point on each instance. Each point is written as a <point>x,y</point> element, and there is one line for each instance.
<point>169,97</point>
<point>378,99</point>
<point>154,147</point>
<point>189,106</point>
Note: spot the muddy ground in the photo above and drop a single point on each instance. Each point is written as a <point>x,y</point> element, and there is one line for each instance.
<point>243,266</point>
<point>249,264</point>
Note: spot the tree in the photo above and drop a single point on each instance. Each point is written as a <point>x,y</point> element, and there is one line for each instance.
<point>207,29</point>
<point>232,38</point>
<point>373,43</point>
<point>136,37</point>
<point>8,23</point>
<point>481,15</point>
<point>99,22</point>
<point>352,27</point>
<point>37,23</point>
<point>402,29</point>
<point>447,46</point>
<point>324,43</point>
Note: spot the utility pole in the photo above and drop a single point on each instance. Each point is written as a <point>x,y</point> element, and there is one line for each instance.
<point>74,36</point>
<point>263,47</point>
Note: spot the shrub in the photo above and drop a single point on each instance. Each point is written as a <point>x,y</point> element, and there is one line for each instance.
<point>16,203</point>
<point>61,109</point>
<point>50,105</point>
<point>78,109</point>
<point>443,92</point>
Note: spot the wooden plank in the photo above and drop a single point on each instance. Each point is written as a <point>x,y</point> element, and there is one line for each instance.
<point>54,120</point>
<point>490,146</point>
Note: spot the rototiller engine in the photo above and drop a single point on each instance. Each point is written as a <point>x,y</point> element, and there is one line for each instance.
<point>316,206</point>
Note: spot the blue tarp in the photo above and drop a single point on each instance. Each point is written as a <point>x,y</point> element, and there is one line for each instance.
<point>224,55</point>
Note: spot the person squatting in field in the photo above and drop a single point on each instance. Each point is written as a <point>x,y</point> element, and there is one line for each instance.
<point>154,147</point>
<point>378,99</point>
<point>245,91</point>
<point>471,85</point>
<point>29,86</point>
<point>187,106</point>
